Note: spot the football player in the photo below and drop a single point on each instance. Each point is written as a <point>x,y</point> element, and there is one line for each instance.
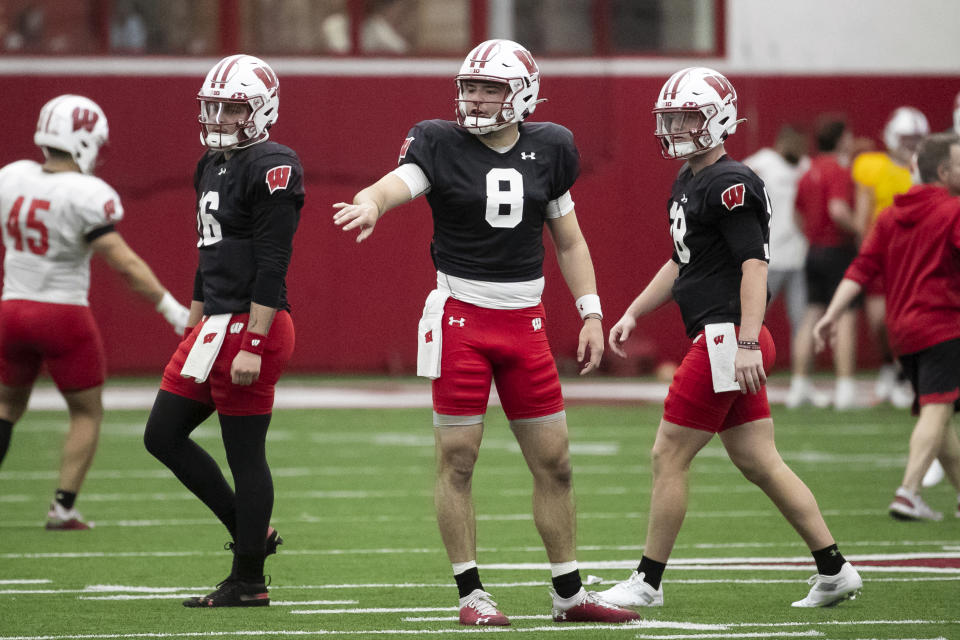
<point>719,222</point>
<point>493,181</point>
<point>240,337</point>
<point>55,216</point>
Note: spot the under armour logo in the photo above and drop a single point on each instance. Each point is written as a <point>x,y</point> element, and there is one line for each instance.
<point>683,199</point>
<point>236,327</point>
<point>223,170</point>
<point>528,156</point>
<point>454,321</point>
<point>537,324</point>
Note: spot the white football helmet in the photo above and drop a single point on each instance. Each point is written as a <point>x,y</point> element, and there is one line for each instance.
<point>74,124</point>
<point>503,62</point>
<point>236,82</point>
<point>696,111</point>
<point>904,129</point>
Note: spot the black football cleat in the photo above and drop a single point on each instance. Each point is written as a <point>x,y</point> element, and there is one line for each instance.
<point>233,593</point>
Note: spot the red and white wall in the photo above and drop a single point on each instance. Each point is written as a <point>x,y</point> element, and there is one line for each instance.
<point>356,306</point>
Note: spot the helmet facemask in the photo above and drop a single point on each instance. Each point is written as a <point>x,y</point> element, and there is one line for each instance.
<point>475,113</point>
<point>225,124</point>
<point>683,132</point>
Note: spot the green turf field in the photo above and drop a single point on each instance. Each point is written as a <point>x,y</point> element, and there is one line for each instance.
<point>363,557</point>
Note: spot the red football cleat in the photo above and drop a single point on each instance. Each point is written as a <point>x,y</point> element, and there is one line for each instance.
<point>479,609</point>
<point>588,606</point>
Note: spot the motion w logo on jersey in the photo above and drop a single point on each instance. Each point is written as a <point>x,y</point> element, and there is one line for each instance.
<point>537,324</point>
<point>278,177</point>
<point>733,196</point>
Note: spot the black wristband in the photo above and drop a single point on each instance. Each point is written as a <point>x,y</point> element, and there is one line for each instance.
<point>752,345</point>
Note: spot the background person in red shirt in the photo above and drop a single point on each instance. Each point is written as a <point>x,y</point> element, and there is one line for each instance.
<point>824,210</point>
<point>915,247</point>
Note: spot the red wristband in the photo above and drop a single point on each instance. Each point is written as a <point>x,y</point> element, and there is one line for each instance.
<point>253,342</point>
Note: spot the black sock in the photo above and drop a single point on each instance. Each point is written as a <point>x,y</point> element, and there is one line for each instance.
<point>65,498</point>
<point>829,560</point>
<point>652,571</point>
<point>568,584</point>
<point>250,567</point>
<point>244,441</point>
<point>6,429</point>
<point>468,581</point>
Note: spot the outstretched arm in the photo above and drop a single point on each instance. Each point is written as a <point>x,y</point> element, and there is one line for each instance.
<point>371,203</point>
<point>573,257</point>
<point>117,253</point>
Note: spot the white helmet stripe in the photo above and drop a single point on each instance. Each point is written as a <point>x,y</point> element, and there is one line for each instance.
<point>222,74</point>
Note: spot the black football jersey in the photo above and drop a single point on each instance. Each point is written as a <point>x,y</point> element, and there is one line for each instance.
<point>489,208</point>
<point>719,218</point>
<point>248,207</point>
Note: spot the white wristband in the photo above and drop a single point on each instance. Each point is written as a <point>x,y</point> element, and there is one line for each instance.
<point>589,303</point>
<point>174,312</point>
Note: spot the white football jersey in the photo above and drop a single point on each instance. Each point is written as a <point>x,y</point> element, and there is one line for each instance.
<point>46,218</point>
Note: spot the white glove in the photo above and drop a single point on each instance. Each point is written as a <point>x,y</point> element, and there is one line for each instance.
<point>174,312</point>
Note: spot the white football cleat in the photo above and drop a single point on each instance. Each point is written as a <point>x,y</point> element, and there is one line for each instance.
<point>828,591</point>
<point>908,505</point>
<point>60,519</point>
<point>634,592</point>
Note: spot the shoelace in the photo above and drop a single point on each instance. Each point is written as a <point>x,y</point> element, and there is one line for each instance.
<point>594,598</point>
<point>484,604</point>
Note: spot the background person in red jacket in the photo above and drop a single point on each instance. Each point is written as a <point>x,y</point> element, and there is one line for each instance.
<point>915,247</point>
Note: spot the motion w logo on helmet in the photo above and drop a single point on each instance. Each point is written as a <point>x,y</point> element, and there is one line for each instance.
<point>723,88</point>
<point>84,119</point>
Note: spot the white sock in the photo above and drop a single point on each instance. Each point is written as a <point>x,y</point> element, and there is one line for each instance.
<point>562,568</point>
<point>460,567</point>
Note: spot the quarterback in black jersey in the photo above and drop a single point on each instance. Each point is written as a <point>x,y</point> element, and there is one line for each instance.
<point>493,181</point>
<point>719,221</point>
<point>240,335</point>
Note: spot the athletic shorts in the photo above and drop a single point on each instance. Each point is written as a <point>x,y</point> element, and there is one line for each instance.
<point>824,268</point>
<point>509,347</point>
<point>692,402</point>
<point>934,374</point>
<point>64,336</point>
<point>218,390</point>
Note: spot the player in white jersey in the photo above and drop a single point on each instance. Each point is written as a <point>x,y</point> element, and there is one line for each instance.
<point>55,215</point>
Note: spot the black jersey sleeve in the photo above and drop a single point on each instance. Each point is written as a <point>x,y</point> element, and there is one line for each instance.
<point>276,195</point>
<point>738,205</point>
<point>419,145</point>
<point>568,167</point>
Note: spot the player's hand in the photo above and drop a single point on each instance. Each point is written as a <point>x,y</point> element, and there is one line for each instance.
<point>591,344</point>
<point>173,312</point>
<point>748,365</point>
<point>824,332</point>
<point>245,368</point>
<point>356,216</point>
<point>620,333</point>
